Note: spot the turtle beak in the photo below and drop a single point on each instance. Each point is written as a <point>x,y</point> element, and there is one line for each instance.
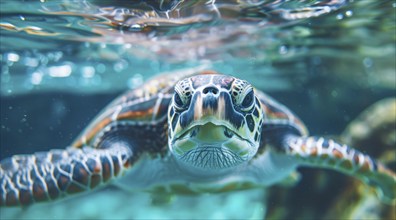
<point>208,105</point>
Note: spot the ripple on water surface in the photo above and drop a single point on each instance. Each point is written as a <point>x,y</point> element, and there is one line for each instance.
<point>82,42</point>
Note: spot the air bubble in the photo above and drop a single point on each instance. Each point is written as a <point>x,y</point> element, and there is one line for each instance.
<point>57,56</point>
<point>37,77</point>
<point>88,71</point>
<point>32,62</point>
<point>349,13</point>
<point>367,62</point>
<point>120,66</point>
<point>283,49</point>
<point>13,57</point>
<point>23,120</point>
<point>60,71</point>
<point>135,81</point>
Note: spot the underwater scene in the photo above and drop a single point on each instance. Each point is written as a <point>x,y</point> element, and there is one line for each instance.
<point>330,62</point>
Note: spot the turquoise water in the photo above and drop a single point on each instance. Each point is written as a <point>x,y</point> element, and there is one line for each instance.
<point>62,61</point>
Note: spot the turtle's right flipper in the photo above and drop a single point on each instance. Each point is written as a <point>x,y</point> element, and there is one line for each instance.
<point>45,176</point>
<point>320,152</point>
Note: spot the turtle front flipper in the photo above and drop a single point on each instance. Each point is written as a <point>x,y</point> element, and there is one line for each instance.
<point>320,152</point>
<point>46,176</point>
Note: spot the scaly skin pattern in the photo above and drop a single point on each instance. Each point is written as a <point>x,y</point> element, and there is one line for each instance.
<point>47,176</point>
<point>321,152</point>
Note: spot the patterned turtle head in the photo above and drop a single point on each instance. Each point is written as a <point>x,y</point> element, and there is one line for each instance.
<point>214,123</point>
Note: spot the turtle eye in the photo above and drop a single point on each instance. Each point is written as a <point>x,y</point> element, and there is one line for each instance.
<point>248,100</point>
<point>181,100</point>
<point>178,100</point>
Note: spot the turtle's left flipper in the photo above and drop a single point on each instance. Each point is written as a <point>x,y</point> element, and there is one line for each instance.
<point>45,176</point>
<point>321,152</point>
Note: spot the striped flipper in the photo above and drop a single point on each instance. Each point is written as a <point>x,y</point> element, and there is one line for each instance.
<point>45,176</point>
<point>320,152</point>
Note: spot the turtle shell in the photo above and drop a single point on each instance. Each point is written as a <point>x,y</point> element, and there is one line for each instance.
<point>141,113</point>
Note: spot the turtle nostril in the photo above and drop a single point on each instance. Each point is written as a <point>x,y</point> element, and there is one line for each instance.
<point>210,89</point>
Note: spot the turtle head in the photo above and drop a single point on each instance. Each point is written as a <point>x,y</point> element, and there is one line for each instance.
<point>214,123</point>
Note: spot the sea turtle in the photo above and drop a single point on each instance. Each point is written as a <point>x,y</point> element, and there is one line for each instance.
<point>185,133</point>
